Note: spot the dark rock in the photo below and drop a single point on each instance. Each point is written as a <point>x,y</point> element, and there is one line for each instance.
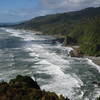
<point>98,84</point>
<point>76,53</point>
<point>95,82</point>
<point>69,41</point>
<point>61,40</point>
<point>24,81</point>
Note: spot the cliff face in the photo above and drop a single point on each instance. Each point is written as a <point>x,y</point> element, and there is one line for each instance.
<point>24,88</point>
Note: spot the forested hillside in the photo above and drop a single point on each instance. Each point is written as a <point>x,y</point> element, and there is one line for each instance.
<point>87,35</point>
<point>82,26</point>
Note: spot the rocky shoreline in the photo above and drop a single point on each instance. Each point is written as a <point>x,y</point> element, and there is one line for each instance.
<point>76,53</point>
<point>96,60</point>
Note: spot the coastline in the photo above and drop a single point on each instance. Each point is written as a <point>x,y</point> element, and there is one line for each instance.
<point>88,61</point>
<point>95,60</point>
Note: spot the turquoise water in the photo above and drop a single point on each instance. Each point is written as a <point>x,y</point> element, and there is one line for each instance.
<point>26,53</point>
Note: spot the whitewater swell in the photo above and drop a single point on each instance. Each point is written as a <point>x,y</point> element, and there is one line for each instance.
<point>52,68</point>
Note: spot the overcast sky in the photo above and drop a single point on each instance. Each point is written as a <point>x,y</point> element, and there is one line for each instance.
<point>19,10</point>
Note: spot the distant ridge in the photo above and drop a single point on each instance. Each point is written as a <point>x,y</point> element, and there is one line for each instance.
<point>82,27</point>
<point>48,22</point>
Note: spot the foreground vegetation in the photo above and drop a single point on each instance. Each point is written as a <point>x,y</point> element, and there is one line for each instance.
<point>80,27</point>
<point>24,88</point>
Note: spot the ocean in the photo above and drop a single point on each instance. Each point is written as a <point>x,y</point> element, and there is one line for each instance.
<point>48,62</point>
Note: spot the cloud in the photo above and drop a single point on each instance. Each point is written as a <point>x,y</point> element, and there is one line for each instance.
<point>70,4</point>
<point>54,6</point>
<point>36,8</point>
<point>14,13</point>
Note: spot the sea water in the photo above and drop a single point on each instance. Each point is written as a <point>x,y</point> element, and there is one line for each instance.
<point>27,53</point>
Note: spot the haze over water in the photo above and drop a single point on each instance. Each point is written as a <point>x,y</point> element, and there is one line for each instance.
<point>26,53</point>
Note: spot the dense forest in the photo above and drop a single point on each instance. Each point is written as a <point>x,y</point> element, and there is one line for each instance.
<point>82,27</point>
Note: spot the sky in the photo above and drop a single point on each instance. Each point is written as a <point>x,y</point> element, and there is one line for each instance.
<point>20,10</point>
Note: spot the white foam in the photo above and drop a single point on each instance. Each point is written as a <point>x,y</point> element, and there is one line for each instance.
<point>93,64</point>
<point>26,60</point>
<point>21,34</point>
<point>1,79</point>
<point>97,94</point>
<point>44,62</point>
<point>50,63</point>
<point>65,83</point>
